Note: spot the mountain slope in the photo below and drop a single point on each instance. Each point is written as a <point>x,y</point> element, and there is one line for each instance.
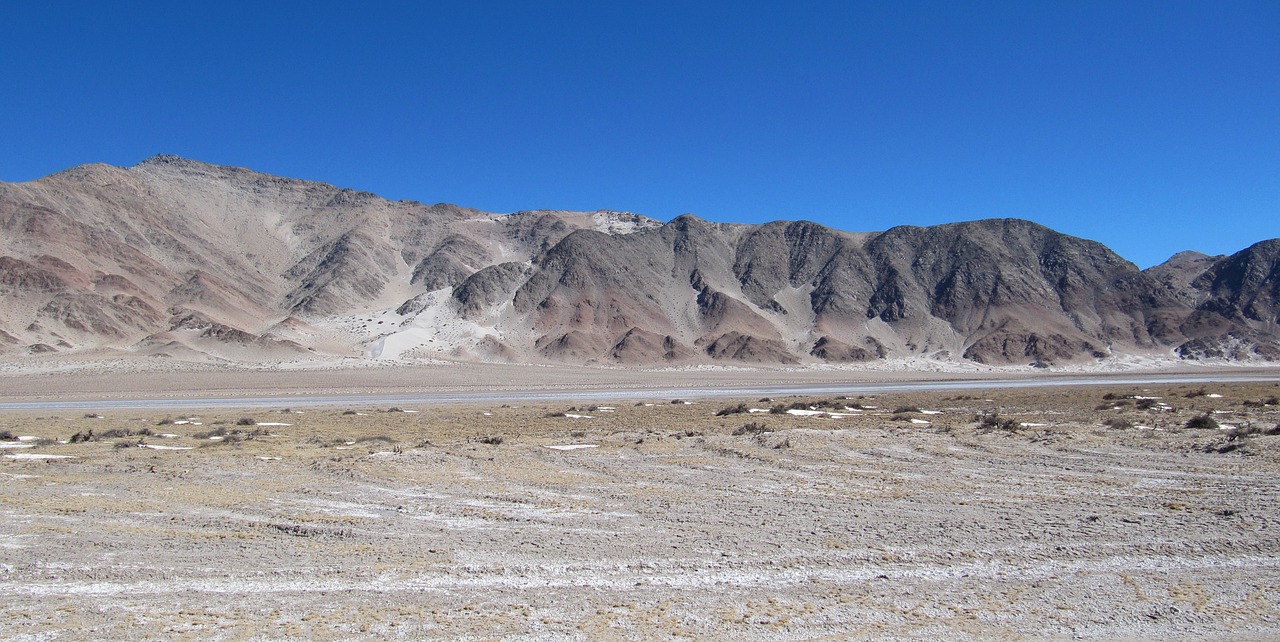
<point>185,259</point>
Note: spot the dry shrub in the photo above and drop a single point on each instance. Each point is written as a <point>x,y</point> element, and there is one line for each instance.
<point>1202,422</point>
<point>753,428</point>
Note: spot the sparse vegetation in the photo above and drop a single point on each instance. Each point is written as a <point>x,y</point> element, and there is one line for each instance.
<point>1202,422</point>
<point>1113,405</point>
<point>224,436</point>
<point>781,409</point>
<point>673,471</point>
<point>753,428</point>
<point>733,410</point>
<point>246,421</point>
<point>994,421</point>
<point>1242,432</point>
<point>1270,401</point>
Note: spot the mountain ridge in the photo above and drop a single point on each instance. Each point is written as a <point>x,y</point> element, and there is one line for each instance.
<point>179,258</point>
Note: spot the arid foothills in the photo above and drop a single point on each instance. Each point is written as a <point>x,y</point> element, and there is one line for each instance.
<point>184,259</point>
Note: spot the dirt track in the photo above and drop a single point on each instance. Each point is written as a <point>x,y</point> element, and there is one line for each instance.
<point>870,525</point>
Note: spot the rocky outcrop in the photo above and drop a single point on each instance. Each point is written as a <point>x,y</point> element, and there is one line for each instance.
<point>1238,314</point>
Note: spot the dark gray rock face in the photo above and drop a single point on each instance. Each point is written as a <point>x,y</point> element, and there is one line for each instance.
<point>1238,314</point>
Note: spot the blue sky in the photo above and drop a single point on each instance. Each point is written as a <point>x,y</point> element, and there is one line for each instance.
<point>1152,127</point>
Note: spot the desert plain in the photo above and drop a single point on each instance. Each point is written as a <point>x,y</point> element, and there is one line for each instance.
<point>1107,511</point>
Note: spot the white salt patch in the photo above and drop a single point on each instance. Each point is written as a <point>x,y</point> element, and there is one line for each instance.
<point>268,458</point>
<point>487,414</point>
<point>167,436</point>
<point>818,413</point>
<point>572,446</point>
<point>342,447</point>
<point>412,411</point>
<point>930,412</point>
<point>28,438</point>
<point>919,422</point>
<point>573,416</point>
<point>1214,396</point>
<point>1143,427</point>
<point>155,447</point>
<point>17,446</point>
<point>181,422</point>
<point>215,438</point>
<point>763,410</point>
<point>1029,424</point>
<point>38,456</point>
<point>1226,427</point>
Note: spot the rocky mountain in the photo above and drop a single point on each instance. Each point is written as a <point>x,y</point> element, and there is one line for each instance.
<point>183,259</point>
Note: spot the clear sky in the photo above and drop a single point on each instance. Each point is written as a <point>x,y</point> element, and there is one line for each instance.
<point>1152,127</point>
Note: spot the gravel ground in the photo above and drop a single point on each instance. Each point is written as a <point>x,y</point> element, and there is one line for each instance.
<point>463,522</point>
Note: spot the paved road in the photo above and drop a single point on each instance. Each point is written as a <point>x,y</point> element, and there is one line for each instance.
<point>613,394</point>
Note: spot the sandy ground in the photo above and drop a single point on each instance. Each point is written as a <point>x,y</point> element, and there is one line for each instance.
<point>839,520</point>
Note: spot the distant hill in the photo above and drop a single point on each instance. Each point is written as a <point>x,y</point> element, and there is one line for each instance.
<point>178,258</point>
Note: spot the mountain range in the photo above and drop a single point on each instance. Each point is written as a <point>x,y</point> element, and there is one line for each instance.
<point>182,259</point>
